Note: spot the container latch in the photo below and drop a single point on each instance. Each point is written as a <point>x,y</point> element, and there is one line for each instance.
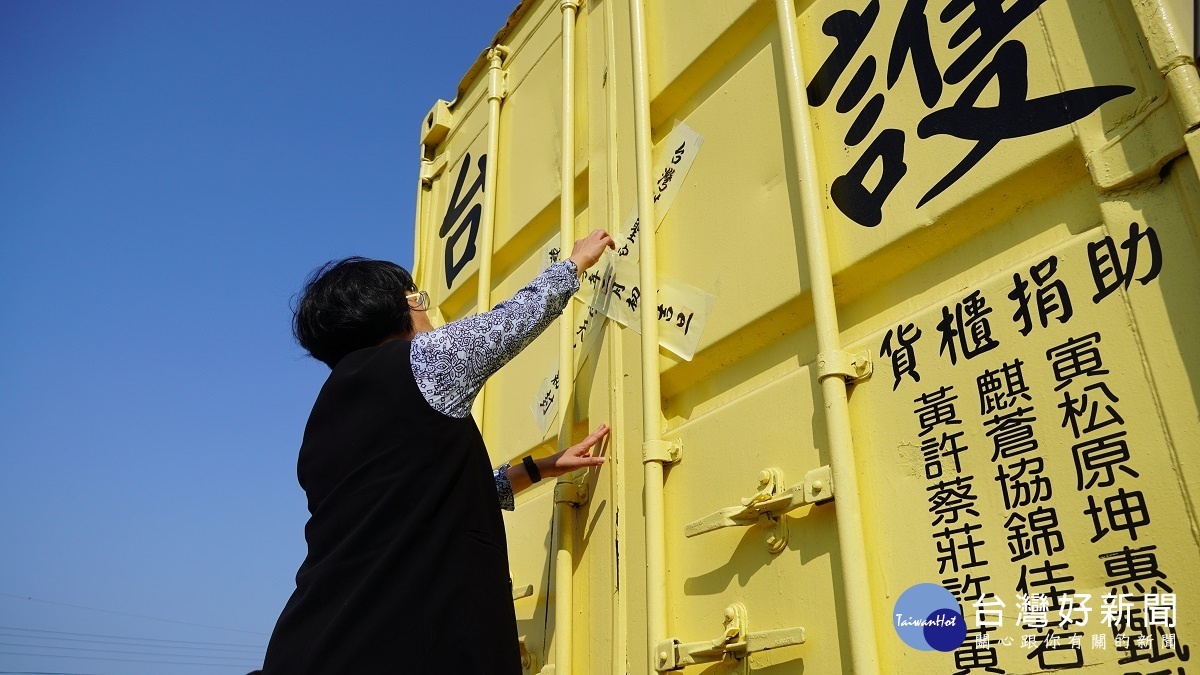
<point>736,643</point>
<point>768,506</point>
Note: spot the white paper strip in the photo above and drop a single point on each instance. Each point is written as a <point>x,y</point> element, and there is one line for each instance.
<point>589,325</point>
<point>683,309</point>
<point>551,253</point>
<point>545,403</point>
<point>674,159</point>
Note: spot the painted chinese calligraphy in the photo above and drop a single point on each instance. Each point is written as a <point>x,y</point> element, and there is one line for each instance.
<point>463,215</point>
<point>1014,115</point>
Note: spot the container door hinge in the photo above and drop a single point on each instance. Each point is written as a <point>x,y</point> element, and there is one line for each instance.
<point>570,492</point>
<point>431,169</point>
<point>667,452</point>
<point>528,658</point>
<point>768,506</point>
<point>497,76</point>
<point>736,643</point>
<point>850,367</point>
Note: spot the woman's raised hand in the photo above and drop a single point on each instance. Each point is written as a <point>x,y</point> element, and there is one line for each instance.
<point>579,456</point>
<point>588,250</point>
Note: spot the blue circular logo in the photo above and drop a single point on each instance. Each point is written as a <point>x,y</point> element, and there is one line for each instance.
<point>926,618</point>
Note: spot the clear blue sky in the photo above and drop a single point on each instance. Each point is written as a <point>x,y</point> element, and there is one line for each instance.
<point>169,173</point>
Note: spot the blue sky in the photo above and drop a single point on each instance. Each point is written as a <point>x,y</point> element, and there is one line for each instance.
<point>169,173</point>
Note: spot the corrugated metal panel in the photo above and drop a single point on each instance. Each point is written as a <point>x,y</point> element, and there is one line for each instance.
<point>1011,203</point>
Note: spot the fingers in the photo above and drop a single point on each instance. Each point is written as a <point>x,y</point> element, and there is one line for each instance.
<point>585,446</point>
<point>595,437</point>
<point>604,238</point>
<point>579,455</point>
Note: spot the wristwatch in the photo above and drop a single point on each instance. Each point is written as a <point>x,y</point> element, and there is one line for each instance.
<point>531,468</point>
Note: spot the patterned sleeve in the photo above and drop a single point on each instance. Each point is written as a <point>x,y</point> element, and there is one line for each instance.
<point>451,363</point>
<point>504,488</point>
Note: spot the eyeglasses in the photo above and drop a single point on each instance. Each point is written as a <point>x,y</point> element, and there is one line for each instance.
<point>422,299</point>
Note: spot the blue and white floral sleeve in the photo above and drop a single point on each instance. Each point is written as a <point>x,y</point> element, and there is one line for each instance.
<point>451,363</point>
<point>504,488</point>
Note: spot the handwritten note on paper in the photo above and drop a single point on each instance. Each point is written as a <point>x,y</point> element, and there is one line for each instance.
<point>683,309</point>
<point>682,313</point>
<point>551,253</point>
<point>545,403</point>
<point>588,326</point>
<point>674,159</point>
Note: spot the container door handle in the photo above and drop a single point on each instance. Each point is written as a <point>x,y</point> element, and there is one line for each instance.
<point>767,506</point>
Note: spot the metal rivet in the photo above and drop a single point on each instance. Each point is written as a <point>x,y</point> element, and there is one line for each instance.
<point>817,486</point>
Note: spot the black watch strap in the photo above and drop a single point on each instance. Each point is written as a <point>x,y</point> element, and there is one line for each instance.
<point>531,468</point>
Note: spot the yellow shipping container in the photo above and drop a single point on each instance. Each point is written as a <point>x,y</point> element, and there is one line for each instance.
<point>919,304</point>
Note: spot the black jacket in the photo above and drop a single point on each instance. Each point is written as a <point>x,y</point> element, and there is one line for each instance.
<point>407,566</point>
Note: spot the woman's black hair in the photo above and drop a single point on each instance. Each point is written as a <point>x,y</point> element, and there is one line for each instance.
<point>351,304</point>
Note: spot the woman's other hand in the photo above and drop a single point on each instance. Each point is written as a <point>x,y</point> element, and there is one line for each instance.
<point>589,249</point>
<point>578,456</point>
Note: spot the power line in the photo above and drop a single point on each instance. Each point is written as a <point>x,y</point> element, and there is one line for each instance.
<point>118,644</point>
<point>38,672</point>
<point>130,637</point>
<point>137,616</point>
<point>128,643</point>
<point>108,658</point>
<point>241,657</point>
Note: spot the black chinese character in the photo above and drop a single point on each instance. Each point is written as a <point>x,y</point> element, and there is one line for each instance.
<point>1043,537</point>
<point>936,408</point>
<point>949,497</point>
<point>958,539</point>
<point>974,333</point>
<point>904,357</point>
<point>972,655</point>
<point>1050,297</point>
<point>849,191</point>
<point>995,394</point>
<point>665,179</point>
<point>1125,511</point>
<point>1074,358</point>
<point>1074,410</point>
<point>1013,116</point>
<point>1099,455</point>
<point>967,589</point>
<point>1012,433</point>
<point>934,450</point>
<point>1132,566</point>
<point>454,219</point>
<point>677,156</point>
<point>1046,580</point>
<point>1053,645</point>
<point>1106,262</point>
<point>1025,485</point>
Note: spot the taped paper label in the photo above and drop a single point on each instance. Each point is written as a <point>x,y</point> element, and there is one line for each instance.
<point>589,325</point>
<point>545,403</point>
<point>683,309</point>
<point>674,159</point>
<point>551,253</point>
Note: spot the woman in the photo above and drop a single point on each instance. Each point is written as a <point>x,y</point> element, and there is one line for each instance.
<point>407,565</point>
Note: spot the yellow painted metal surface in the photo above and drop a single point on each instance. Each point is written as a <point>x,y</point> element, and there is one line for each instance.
<point>1012,203</point>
